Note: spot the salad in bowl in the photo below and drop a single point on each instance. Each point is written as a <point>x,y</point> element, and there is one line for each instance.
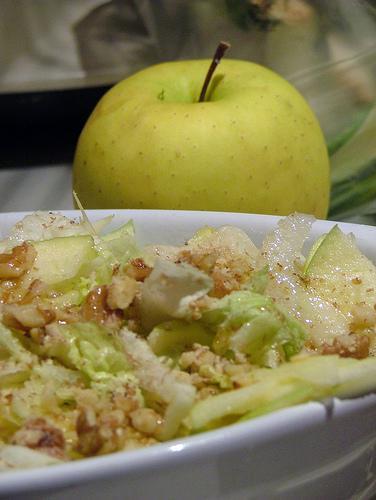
<point>108,344</point>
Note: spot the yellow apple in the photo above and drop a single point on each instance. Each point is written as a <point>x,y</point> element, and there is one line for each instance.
<point>254,144</point>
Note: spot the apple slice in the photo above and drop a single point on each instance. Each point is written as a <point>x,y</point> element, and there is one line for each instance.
<point>59,259</point>
<point>340,273</point>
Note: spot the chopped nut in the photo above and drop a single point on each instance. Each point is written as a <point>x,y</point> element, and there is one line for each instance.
<point>121,292</point>
<point>95,308</point>
<point>364,316</point>
<point>35,289</point>
<point>39,435</point>
<point>357,348</point>
<point>146,420</point>
<point>16,263</point>
<point>138,269</point>
<point>24,317</point>
<point>89,438</point>
<point>207,391</point>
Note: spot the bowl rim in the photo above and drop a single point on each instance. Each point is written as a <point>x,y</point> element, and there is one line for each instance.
<point>288,421</point>
<point>258,430</point>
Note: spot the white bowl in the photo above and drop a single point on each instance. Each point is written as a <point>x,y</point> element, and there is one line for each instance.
<point>311,451</point>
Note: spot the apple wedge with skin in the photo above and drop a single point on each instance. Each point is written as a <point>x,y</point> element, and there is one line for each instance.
<point>253,145</point>
<point>340,273</point>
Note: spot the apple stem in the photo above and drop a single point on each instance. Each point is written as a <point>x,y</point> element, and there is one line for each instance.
<point>219,53</point>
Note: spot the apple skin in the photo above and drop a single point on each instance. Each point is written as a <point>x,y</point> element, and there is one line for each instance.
<point>253,146</point>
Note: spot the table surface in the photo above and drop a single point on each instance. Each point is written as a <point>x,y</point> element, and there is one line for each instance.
<point>36,188</point>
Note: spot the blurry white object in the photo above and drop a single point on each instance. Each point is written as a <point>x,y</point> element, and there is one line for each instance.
<point>37,45</point>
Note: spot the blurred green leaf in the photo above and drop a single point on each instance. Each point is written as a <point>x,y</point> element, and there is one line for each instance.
<point>351,193</point>
<point>344,136</point>
<point>353,170</point>
<point>357,152</point>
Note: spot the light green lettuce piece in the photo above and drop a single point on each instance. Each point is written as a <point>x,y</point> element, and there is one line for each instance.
<point>12,348</point>
<point>127,231</point>
<point>234,309</point>
<point>253,324</point>
<point>96,272</point>
<point>173,337</point>
<point>15,360</point>
<point>119,245</point>
<point>259,280</point>
<point>87,347</point>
